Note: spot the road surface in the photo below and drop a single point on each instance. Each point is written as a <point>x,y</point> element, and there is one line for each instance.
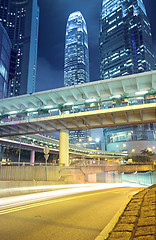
<point>74,217</point>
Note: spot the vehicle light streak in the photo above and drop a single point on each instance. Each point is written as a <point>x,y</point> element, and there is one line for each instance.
<point>15,201</point>
<point>15,209</point>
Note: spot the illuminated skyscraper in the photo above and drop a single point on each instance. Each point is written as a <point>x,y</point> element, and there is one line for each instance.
<point>76,64</point>
<point>125,48</point>
<point>5,50</point>
<point>125,39</point>
<point>21,20</point>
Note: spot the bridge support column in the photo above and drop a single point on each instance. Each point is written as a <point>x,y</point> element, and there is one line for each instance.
<point>32,157</point>
<point>64,148</point>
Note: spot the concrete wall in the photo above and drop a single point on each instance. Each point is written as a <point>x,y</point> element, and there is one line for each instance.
<point>59,175</point>
<point>39,173</point>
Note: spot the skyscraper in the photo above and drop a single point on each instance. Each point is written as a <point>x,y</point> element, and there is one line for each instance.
<point>21,20</point>
<point>76,64</point>
<point>125,48</point>
<point>125,39</point>
<point>5,50</point>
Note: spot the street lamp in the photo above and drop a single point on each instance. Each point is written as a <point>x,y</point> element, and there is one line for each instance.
<point>149,149</point>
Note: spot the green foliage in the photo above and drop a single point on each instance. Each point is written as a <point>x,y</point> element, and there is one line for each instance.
<point>60,107</point>
<point>151,92</point>
<point>140,159</point>
<point>42,111</point>
<point>120,100</point>
<point>63,107</point>
<point>146,152</point>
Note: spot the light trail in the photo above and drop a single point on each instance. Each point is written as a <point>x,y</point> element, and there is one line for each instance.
<point>15,209</point>
<point>15,201</point>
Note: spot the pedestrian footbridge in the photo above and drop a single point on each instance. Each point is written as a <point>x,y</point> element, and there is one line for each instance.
<point>120,101</point>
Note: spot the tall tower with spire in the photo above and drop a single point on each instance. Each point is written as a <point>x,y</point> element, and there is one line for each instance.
<point>76,63</point>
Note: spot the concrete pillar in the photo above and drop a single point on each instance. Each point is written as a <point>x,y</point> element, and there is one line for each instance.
<point>64,148</point>
<point>32,157</point>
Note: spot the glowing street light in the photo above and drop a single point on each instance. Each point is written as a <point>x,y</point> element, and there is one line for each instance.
<point>149,149</point>
<point>89,139</point>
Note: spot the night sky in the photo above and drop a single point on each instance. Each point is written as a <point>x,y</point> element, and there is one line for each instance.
<point>53,18</point>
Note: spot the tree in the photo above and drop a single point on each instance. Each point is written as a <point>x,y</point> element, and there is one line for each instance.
<point>146,152</point>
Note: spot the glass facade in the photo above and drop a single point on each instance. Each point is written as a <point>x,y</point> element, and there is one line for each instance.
<point>131,133</point>
<point>76,64</point>
<point>5,50</point>
<point>125,39</point>
<point>125,48</point>
<point>21,20</point>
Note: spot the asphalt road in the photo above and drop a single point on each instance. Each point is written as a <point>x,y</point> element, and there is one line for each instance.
<point>76,217</point>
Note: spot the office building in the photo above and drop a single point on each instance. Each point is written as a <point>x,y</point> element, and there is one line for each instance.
<point>125,48</point>
<point>76,63</point>
<point>125,39</point>
<point>21,20</point>
<point>5,51</point>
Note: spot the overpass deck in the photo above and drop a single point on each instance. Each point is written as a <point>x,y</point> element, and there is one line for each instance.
<point>37,143</point>
<point>115,116</point>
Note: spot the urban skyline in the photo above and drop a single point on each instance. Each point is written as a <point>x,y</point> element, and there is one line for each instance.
<point>51,46</point>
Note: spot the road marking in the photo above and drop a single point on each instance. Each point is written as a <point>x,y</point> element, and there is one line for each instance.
<point>16,209</point>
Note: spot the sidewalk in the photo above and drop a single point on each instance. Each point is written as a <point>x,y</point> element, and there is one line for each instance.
<point>137,221</point>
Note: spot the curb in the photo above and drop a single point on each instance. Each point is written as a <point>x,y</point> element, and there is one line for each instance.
<point>104,234</point>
